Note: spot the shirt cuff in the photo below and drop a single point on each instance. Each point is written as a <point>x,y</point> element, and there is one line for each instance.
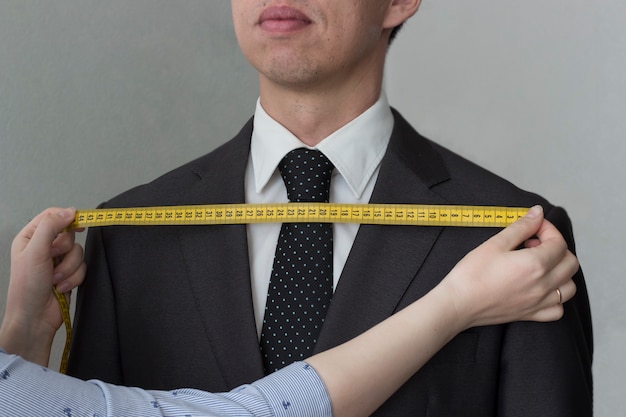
<point>296,390</point>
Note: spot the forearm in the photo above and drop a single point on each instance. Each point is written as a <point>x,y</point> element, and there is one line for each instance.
<point>31,342</point>
<point>362,373</point>
<point>28,389</point>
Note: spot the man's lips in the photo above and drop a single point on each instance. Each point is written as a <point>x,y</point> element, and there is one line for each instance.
<point>283,19</point>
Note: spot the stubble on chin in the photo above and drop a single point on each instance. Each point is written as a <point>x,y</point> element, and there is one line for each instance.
<point>291,71</point>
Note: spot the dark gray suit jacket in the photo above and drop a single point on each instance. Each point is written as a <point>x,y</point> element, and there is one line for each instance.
<point>169,307</point>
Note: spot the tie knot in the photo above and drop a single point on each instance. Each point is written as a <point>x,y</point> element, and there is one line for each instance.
<point>306,173</point>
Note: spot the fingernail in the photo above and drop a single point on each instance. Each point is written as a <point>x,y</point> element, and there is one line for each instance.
<point>534,212</point>
<point>57,277</point>
<point>66,213</point>
<point>63,287</point>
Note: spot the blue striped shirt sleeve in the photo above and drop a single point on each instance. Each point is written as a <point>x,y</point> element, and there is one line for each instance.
<point>29,389</point>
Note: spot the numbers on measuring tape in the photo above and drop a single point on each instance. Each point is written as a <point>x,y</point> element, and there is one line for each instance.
<point>390,214</point>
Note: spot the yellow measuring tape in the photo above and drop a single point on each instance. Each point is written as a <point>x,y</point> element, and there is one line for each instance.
<point>385,214</point>
<point>67,321</point>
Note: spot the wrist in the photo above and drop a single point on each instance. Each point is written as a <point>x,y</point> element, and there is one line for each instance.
<point>454,306</point>
<point>32,341</point>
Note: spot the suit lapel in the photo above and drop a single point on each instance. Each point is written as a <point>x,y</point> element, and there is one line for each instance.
<point>216,262</point>
<point>376,275</point>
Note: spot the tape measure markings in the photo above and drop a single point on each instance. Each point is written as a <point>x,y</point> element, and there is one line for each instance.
<point>388,214</point>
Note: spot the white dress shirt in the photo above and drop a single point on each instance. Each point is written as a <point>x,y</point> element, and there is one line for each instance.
<point>356,150</point>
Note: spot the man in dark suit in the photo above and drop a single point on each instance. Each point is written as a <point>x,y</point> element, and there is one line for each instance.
<point>166,307</point>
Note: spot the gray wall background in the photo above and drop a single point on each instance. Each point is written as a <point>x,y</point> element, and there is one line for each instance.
<point>96,97</point>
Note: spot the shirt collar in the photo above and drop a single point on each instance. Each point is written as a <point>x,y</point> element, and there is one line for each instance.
<point>356,149</point>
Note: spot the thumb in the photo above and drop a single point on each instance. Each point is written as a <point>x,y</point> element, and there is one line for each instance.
<point>521,230</point>
<point>49,227</point>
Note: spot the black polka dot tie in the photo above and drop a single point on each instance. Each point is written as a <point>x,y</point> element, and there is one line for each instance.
<point>301,285</point>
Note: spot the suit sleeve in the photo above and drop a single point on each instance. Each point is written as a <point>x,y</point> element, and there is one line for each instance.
<point>546,367</point>
<point>95,353</point>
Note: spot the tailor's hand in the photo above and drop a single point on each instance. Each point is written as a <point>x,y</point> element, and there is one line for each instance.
<point>32,313</point>
<point>498,283</point>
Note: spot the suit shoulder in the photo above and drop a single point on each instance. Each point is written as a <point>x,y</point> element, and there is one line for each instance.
<point>472,179</point>
<point>472,184</point>
<point>169,187</point>
<point>449,174</point>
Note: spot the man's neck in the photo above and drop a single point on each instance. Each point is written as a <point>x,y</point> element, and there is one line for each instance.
<point>312,114</point>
